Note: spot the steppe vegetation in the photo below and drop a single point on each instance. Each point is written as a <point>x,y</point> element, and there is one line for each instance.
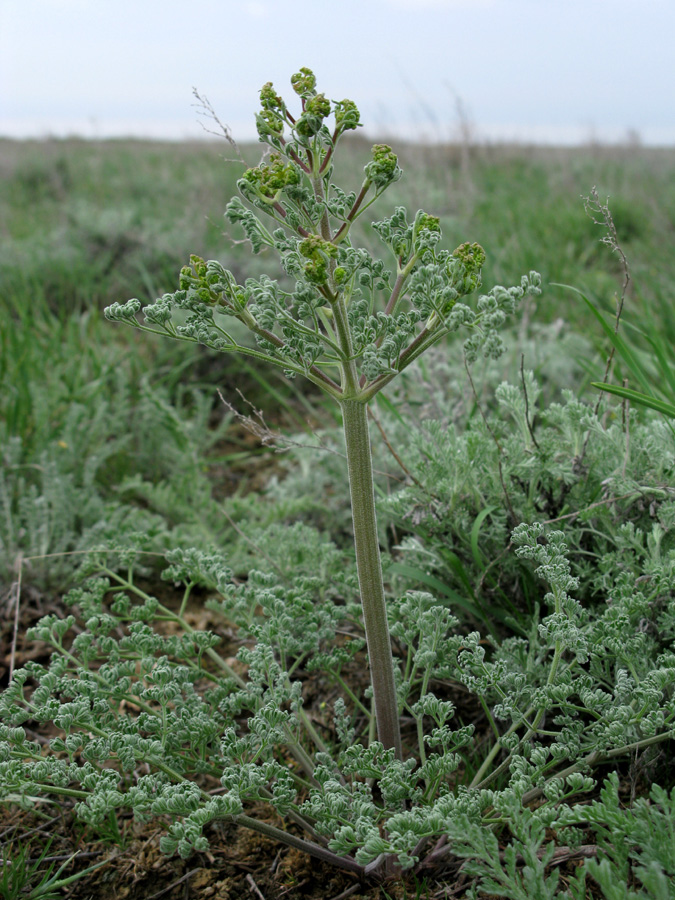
<point>181,602</point>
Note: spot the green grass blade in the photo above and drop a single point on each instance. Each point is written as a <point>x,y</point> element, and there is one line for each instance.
<point>472,607</point>
<point>385,403</point>
<point>432,582</point>
<point>475,532</point>
<point>668,409</point>
<point>626,354</point>
<point>666,365</point>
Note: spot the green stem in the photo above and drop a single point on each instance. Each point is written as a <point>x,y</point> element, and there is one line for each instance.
<point>312,732</point>
<point>343,230</point>
<point>171,616</point>
<point>95,675</point>
<point>315,374</point>
<point>422,342</point>
<point>62,791</point>
<point>595,758</point>
<point>476,782</point>
<point>285,837</point>
<point>401,279</point>
<point>352,696</point>
<point>369,567</point>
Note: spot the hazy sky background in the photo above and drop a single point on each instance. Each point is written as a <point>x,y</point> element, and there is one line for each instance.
<point>547,70</point>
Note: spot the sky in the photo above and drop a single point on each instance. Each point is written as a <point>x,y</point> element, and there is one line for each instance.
<point>546,71</point>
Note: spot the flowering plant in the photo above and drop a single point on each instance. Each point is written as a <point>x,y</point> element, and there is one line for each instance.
<point>370,788</point>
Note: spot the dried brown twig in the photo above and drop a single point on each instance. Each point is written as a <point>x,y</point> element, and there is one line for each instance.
<point>600,214</point>
<point>206,111</point>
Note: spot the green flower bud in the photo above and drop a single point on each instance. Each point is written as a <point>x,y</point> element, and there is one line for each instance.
<point>198,265</point>
<point>472,257</point>
<point>304,82</point>
<point>306,129</point>
<point>340,275</point>
<point>316,271</point>
<point>425,222</point>
<point>268,122</point>
<point>271,178</point>
<point>308,125</point>
<point>426,232</point>
<point>311,120</point>
<point>269,99</point>
<point>185,278</point>
<point>317,252</point>
<point>313,246</point>
<point>318,106</point>
<point>347,115</point>
<point>383,169</point>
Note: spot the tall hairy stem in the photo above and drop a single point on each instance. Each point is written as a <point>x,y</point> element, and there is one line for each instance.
<point>369,567</point>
